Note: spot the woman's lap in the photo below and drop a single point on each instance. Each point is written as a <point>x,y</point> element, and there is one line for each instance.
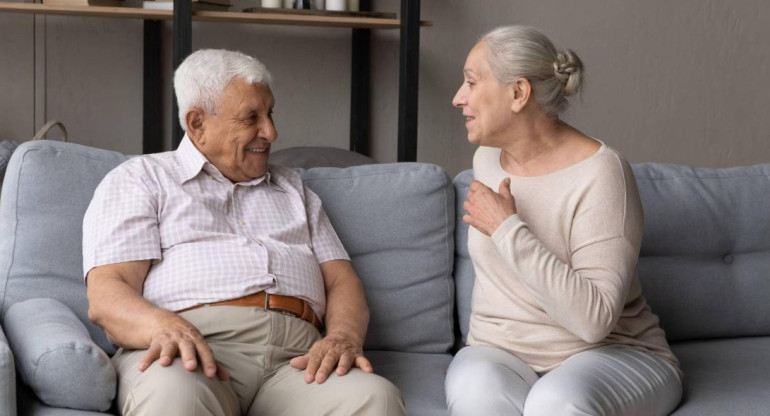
<point>608,381</point>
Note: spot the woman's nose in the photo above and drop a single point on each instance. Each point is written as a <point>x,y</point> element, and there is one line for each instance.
<point>459,99</point>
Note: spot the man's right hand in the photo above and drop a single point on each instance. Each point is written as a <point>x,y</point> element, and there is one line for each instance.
<point>177,337</point>
<point>116,304</point>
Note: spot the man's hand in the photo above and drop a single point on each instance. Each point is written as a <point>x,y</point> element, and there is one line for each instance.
<point>116,304</point>
<point>175,336</point>
<point>485,210</point>
<point>333,350</point>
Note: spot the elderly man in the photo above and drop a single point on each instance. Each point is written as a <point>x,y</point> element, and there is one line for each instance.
<point>213,270</point>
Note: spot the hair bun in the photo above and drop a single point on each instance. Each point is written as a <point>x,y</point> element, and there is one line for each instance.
<point>568,69</point>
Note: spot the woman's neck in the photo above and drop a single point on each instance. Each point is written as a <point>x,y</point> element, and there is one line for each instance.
<point>532,142</point>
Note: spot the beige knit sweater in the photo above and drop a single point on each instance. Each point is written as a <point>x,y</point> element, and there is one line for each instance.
<point>560,277</point>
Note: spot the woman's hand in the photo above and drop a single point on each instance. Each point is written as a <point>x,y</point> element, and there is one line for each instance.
<point>485,210</point>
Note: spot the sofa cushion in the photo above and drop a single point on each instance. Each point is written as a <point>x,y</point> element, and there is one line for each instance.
<point>397,223</point>
<point>307,157</point>
<point>705,250</point>
<point>463,273</point>
<point>56,357</point>
<point>8,375</point>
<point>420,377</point>
<point>48,186</point>
<point>29,405</point>
<point>725,377</point>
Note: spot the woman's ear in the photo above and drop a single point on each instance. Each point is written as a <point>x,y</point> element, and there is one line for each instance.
<point>521,90</point>
<point>194,119</point>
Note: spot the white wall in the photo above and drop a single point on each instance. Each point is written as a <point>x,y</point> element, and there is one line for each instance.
<point>681,82</point>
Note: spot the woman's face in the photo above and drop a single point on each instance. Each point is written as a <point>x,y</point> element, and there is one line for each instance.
<point>486,103</point>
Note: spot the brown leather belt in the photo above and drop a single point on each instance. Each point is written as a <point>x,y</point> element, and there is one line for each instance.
<point>285,304</point>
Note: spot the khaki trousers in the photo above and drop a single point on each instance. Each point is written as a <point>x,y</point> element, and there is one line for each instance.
<point>255,345</point>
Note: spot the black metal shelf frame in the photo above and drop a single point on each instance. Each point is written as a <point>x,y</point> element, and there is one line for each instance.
<point>360,89</point>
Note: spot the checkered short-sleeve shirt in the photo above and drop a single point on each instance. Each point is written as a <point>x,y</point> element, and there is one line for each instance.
<point>210,239</point>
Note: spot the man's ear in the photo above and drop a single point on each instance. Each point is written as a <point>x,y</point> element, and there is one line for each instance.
<point>521,91</point>
<point>194,119</point>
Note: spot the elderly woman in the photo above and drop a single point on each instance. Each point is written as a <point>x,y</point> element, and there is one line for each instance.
<point>559,325</point>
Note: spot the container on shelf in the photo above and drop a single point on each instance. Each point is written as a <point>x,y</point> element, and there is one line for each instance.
<point>336,5</point>
<point>272,4</point>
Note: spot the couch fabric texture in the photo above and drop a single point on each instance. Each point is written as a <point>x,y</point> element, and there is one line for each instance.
<point>56,357</point>
<point>703,265</point>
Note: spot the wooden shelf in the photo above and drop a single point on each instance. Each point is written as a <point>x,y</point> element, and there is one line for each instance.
<point>208,16</point>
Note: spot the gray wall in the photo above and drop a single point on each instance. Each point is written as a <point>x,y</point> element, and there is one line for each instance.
<point>680,82</point>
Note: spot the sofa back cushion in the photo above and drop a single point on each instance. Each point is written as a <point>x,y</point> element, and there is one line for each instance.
<point>463,273</point>
<point>397,223</point>
<point>47,188</point>
<point>705,253</point>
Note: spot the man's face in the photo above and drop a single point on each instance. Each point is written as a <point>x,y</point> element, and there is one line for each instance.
<point>237,138</point>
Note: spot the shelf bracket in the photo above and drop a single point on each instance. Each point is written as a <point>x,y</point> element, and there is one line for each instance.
<point>182,48</point>
<point>360,87</point>
<point>409,73</point>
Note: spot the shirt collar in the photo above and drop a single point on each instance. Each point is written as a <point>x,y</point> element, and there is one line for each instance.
<point>190,159</point>
<point>193,162</point>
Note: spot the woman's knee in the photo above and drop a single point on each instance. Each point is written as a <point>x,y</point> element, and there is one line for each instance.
<point>476,385</point>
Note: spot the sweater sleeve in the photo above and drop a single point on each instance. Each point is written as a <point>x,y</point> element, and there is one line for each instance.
<point>585,295</point>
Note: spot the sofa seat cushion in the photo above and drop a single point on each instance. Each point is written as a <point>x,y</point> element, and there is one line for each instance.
<point>725,377</point>
<point>420,377</point>
<point>29,405</point>
<point>56,357</point>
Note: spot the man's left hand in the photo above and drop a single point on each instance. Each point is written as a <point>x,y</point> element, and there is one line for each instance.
<point>334,350</point>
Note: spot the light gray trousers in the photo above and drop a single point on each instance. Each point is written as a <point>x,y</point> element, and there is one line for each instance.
<point>612,381</point>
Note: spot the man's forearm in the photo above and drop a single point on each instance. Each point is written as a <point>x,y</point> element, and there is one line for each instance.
<point>127,318</point>
<point>346,310</point>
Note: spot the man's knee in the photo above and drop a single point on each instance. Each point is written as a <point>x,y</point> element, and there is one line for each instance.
<point>169,391</point>
<point>375,395</point>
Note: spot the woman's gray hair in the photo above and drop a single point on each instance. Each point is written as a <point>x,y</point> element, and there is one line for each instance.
<point>201,78</point>
<point>515,52</point>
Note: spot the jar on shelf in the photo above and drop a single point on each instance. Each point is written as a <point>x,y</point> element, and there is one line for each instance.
<point>272,4</point>
<point>336,5</point>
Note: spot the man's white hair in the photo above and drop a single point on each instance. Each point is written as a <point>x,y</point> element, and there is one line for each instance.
<point>201,78</point>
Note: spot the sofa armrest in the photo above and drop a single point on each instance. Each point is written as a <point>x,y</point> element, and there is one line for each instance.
<point>8,377</point>
<point>57,358</point>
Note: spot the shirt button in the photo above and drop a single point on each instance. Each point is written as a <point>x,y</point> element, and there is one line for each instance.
<point>243,222</point>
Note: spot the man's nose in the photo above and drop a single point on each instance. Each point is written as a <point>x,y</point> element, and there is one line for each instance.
<point>268,132</point>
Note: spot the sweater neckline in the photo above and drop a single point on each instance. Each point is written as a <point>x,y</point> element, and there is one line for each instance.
<point>499,164</point>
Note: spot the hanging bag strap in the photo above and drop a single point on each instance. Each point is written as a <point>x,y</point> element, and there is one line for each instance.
<point>47,126</point>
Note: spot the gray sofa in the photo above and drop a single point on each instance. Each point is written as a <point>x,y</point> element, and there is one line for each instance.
<point>704,266</point>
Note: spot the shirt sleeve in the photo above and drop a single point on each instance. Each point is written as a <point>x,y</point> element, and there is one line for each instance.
<point>587,295</point>
<point>324,240</point>
<point>121,222</point>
